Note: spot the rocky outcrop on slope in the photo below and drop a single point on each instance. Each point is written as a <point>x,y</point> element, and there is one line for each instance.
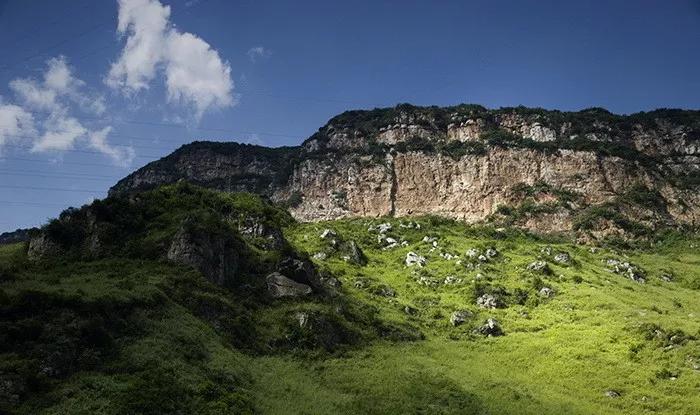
<point>468,163</point>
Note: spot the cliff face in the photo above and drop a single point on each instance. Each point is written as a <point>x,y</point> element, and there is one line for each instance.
<point>543,170</point>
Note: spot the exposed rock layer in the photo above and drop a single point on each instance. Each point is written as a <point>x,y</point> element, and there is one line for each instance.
<point>454,162</point>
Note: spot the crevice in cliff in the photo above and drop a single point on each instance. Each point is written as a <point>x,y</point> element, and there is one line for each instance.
<point>604,174</point>
<point>393,182</point>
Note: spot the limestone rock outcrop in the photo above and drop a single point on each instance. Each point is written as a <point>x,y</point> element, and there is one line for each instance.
<point>461,162</point>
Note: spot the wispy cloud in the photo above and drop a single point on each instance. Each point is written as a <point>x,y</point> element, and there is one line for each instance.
<point>43,114</point>
<point>195,75</point>
<point>257,53</point>
<point>15,124</point>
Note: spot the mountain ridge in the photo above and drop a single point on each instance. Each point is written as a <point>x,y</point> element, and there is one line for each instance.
<point>464,162</point>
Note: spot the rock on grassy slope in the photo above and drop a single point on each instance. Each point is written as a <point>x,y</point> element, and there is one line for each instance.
<point>479,321</point>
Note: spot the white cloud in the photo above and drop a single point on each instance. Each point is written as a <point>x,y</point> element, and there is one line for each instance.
<point>58,84</point>
<point>33,95</point>
<point>146,24</point>
<point>258,52</point>
<point>48,103</point>
<point>59,77</point>
<point>61,132</point>
<point>16,125</point>
<point>195,75</point>
<point>121,156</point>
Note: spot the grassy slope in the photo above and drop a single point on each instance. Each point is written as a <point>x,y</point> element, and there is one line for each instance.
<point>561,358</point>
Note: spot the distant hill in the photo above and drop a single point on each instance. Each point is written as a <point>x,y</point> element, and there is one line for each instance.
<point>19,235</point>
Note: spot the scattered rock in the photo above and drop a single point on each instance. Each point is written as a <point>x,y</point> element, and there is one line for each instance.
<point>626,269</point>
<point>410,225</point>
<point>386,291</point>
<point>427,281</point>
<point>546,251</point>
<point>328,233</point>
<point>667,277</point>
<point>321,256</point>
<point>256,226</point>
<point>361,283</point>
<point>355,254</point>
<point>302,318</point>
<point>488,301</point>
<point>414,259</point>
<point>460,316</point>
<point>491,328</point>
<point>280,286</point>
<point>473,253</point>
<point>491,253</point>
<point>330,281</point>
<point>383,228</point>
<point>612,394</point>
<point>410,310</point>
<point>452,280</point>
<point>540,267</point>
<point>546,292</point>
<point>562,258</point>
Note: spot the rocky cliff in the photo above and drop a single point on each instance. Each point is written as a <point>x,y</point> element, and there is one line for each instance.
<point>591,171</point>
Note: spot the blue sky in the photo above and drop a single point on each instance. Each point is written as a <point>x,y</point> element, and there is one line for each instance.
<point>93,89</point>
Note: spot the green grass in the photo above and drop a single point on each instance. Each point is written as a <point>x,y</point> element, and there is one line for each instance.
<point>581,340</point>
<point>155,338</point>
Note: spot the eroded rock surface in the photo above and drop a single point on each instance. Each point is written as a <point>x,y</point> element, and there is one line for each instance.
<point>400,161</point>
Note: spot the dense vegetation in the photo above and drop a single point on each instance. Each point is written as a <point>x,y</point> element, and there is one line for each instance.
<point>277,162</point>
<point>590,120</point>
<point>123,330</point>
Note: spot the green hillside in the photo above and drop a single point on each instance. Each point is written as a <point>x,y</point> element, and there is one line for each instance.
<point>108,318</point>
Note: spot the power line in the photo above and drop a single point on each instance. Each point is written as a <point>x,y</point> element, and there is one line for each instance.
<point>31,137</point>
<point>55,45</point>
<point>56,176</point>
<point>65,174</point>
<point>131,137</point>
<point>35,31</point>
<point>76,163</point>
<point>58,189</point>
<point>167,124</point>
<point>149,157</point>
<point>38,204</point>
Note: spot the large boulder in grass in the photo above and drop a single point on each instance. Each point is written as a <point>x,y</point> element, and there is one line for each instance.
<point>299,270</point>
<point>460,316</point>
<point>540,267</point>
<point>413,258</point>
<point>214,255</point>
<point>355,254</point>
<point>280,286</point>
<point>42,247</point>
<point>491,328</point>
